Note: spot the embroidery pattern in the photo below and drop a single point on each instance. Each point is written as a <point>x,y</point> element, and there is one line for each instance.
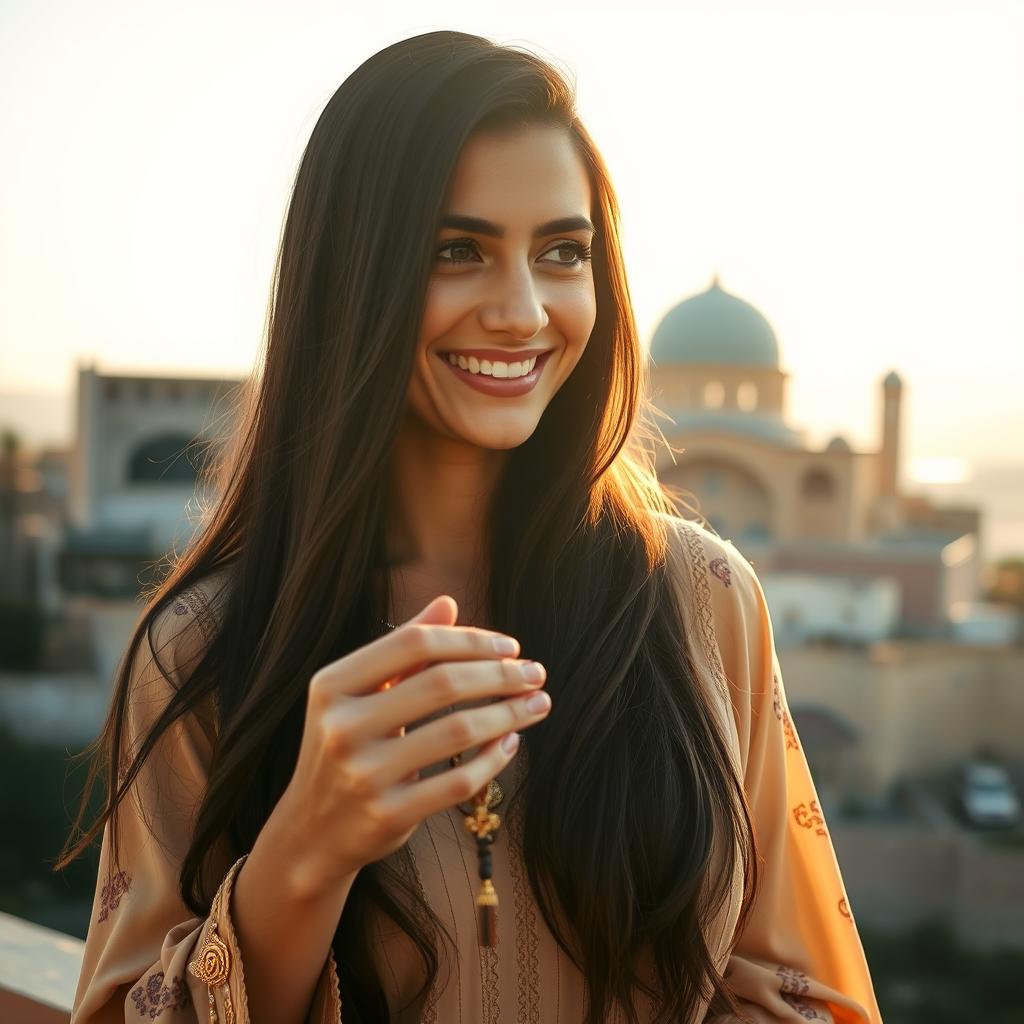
<point>489,966</point>
<point>702,588</point>
<point>782,714</point>
<point>793,981</point>
<point>110,896</point>
<point>787,725</point>
<point>200,608</point>
<point>719,567</point>
<point>810,816</point>
<point>154,997</point>
<point>805,1009</point>
<point>526,924</point>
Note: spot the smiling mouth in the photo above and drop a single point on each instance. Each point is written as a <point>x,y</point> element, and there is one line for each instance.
<point>505,387</point>
<point>499,369</point>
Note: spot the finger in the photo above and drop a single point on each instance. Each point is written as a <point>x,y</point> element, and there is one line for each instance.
<point>407,649</point>
<point>408,805</point>
<point>443,685</point>
<point>391,760</point>
<point>441,611</point>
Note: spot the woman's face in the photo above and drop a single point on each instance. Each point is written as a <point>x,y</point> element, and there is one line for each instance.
<point>511,283</point>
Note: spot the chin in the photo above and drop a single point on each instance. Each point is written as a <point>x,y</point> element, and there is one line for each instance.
<point>500,442</point>
<point>499,446</point>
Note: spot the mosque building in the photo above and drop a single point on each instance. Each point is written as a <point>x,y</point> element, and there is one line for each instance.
<point>894,562</point>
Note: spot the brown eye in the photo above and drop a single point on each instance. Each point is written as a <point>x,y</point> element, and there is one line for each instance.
<point>579,252</point>
<point>459,248</point>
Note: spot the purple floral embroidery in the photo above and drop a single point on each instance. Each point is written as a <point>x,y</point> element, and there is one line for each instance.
<point>805,1009</point>
<point>154,997</point>
<point>720,569</point>
<point>793,981</point>
<point>794,985</point>
<point>110,895</point>
<point>180,608</point>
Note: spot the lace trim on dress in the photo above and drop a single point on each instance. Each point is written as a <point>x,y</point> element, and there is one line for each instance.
<point>699,572</point>
<point>527,942</point>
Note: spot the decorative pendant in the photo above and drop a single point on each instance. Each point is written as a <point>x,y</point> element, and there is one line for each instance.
<point>483,823</point>
<point>212,964</point>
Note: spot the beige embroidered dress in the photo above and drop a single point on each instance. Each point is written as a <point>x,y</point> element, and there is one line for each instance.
<point>799,958</point>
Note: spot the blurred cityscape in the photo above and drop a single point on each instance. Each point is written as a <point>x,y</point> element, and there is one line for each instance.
<point>902,649</point>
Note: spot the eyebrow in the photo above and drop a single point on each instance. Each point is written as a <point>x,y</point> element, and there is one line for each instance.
<point>479,226</point>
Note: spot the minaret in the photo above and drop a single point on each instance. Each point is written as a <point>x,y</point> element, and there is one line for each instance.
<point>887,506</point>
<point>889,462</point>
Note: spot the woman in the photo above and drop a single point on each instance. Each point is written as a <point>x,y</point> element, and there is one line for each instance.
<point>446,434</point>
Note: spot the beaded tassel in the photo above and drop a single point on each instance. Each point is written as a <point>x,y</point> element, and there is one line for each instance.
<point>483,824</point>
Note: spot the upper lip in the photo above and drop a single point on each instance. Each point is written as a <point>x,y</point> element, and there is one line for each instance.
<point>497,354</point>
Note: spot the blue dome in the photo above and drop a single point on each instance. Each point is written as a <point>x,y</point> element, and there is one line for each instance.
<point>715,327</point>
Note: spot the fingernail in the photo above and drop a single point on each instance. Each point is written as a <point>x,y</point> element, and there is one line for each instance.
<point>510,743</point>
<point>533,671</point>
<point>506,645</point>
<point>538,702</point>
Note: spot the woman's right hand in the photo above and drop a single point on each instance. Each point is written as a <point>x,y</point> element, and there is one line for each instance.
<point>356,794</point>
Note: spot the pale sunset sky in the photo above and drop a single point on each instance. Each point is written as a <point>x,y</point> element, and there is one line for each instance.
<point>853,169</point>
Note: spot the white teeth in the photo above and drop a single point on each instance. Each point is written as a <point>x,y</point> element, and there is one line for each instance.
<point>493,369</point>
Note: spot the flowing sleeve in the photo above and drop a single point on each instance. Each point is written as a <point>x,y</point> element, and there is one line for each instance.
<point>799,957</point>
<point>147,955</point>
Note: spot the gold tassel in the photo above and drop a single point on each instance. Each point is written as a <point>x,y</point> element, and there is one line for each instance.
<point>483,823</point>
<point>487,904</point>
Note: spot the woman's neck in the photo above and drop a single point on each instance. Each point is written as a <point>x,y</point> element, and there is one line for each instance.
<point>440,493</point>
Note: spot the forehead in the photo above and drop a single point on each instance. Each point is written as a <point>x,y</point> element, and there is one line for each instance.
<point>520,178</point>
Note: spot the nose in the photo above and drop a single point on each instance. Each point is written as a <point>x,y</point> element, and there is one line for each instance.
<point>515,307</point>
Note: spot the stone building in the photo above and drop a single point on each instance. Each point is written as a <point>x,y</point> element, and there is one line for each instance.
<point>136,487</point>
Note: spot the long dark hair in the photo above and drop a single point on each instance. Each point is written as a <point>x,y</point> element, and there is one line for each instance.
<point>630,783</point>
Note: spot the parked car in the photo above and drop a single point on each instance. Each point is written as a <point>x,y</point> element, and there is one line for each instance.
<point>988,796</point>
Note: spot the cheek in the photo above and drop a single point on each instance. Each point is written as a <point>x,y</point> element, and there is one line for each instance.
<point>578,312</point>
<point>446,304</point>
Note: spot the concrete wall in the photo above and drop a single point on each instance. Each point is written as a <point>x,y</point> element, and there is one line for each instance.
<point>920,707</point>
<point>898,876</point>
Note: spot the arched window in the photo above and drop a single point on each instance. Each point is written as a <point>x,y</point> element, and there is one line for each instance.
<point>168,459</point>
<point>746,396</point>
<point>714,394</point>
<point>818,484</point>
